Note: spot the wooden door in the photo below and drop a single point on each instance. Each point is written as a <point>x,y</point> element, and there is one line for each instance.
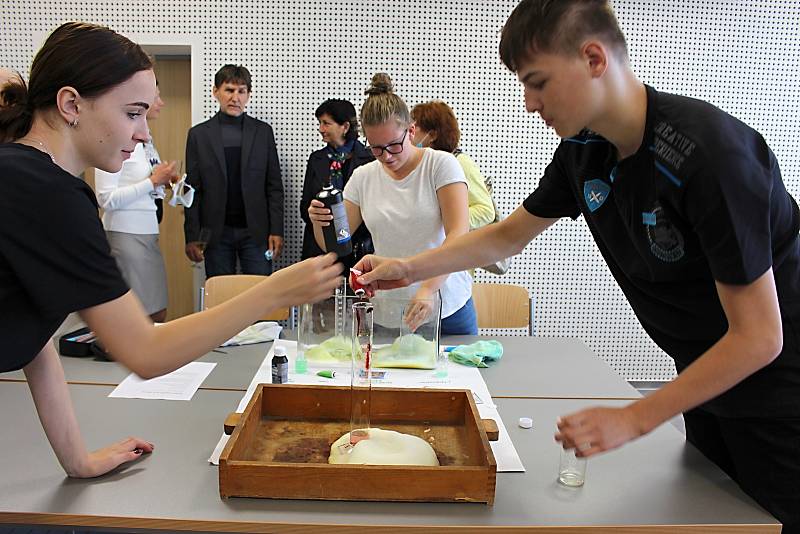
<point>169,136</point>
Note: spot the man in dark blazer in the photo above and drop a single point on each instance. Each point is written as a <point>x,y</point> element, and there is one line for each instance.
<point>232,163</point>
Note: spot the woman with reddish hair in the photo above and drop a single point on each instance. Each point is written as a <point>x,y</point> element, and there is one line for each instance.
<point>437,128</point>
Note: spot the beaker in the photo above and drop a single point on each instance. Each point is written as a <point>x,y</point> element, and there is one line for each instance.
<point>361,371</point>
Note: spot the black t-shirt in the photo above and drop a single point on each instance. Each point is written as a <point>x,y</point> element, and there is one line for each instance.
<point>54,257</point>
<point>232,136</point>
<point>701,200</point>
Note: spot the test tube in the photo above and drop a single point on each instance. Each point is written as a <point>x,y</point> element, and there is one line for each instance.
<point>442,360</point>
<point>305,334</point>
<point>361,371</point>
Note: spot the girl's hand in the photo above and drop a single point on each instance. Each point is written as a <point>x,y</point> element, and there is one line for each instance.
<point>108,458</point>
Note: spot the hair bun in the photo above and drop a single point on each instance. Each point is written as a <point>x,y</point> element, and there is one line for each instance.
<point>381,83</point>
<point>14,92</point>
<point>16,113</point>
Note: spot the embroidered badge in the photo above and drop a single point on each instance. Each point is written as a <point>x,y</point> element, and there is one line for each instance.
<point>666,241</point>
<point>595,192</point>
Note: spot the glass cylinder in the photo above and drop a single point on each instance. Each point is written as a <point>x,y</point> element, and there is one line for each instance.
<point>340,313</point>
<point>361,371</point>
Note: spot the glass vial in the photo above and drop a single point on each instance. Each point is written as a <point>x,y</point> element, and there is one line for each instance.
<point>361,371</point>
<point>280,366</point>
<point>442,361</point>
<point>571,469</point>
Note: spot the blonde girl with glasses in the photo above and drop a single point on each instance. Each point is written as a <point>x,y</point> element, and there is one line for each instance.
<point>411,199</point>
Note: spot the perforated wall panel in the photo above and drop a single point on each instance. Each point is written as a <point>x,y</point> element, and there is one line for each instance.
<point>742,56</point>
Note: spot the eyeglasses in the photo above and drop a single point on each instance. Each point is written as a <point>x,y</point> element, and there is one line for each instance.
<point>391,148</point>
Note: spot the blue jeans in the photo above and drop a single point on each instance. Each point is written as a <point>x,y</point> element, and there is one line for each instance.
<point>221,256</point>
<point>464,322</point>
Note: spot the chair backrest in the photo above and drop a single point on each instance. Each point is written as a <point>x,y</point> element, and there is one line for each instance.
<point>218,289</point>
<point>502,306</point>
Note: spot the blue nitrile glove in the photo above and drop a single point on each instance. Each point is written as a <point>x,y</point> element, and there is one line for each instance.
<point>478,353</point>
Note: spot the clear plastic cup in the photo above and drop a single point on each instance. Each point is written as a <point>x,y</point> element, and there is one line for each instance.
<point>571,469</point>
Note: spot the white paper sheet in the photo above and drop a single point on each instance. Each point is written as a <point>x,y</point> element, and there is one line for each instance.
<point>180,384</point>
<point>458,377</point>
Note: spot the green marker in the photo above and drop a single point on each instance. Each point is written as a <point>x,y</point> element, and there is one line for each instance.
<point>327,373</point>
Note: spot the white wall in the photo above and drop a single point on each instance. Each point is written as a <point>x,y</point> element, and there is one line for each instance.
<point>742,56</point>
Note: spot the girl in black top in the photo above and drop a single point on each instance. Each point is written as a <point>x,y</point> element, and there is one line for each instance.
<point>85,107</point>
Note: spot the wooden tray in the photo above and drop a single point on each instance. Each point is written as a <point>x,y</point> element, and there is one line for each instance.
<point>279,447</point>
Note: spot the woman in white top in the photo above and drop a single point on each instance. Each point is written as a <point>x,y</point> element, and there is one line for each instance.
<point>411,199</point>
<point>129,219</point>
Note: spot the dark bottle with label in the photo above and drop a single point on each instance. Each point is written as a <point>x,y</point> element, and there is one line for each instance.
<point>280,366</point>
<point>337,233</point>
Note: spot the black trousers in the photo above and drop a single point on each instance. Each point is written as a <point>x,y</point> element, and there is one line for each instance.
<point>237,244</point>
<point>762,454</point>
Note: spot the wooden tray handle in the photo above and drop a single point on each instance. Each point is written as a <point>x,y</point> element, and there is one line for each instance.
<point>489,425</point>
<point>231,421</point>
<point>492,432</point>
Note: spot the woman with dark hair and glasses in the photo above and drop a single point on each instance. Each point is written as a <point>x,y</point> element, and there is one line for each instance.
<point>411,199</point>
<point>342,154</point>
<point>89,91</point>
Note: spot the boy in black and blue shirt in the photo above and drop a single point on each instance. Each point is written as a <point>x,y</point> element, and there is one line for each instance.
<point>669,226</point>
<point>687,207</point>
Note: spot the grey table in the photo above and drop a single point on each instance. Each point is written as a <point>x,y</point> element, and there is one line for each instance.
<point>657,484</point>
<point>235,368</point>
<point>550,367</point>
<point>530,367</point>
